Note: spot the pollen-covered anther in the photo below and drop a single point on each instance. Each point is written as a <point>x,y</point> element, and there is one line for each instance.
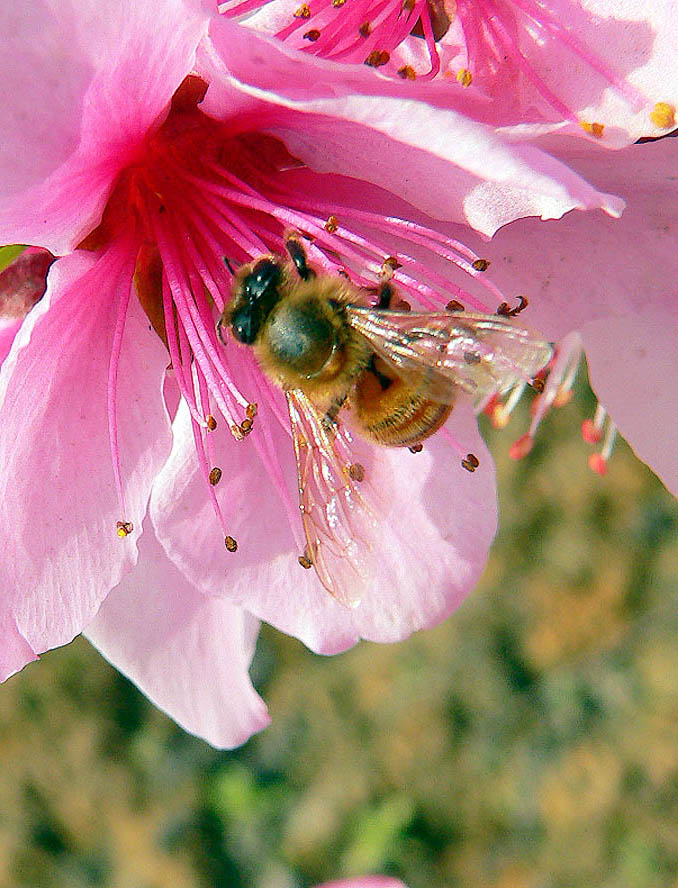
<point>338,3</point>
<point>480,264</point>
<point>520,448</point>
<point>464,77</point>
<point>332,224</point>
<point>365,29</point>
<point>506,311</point>
<point>305,562</point>
<point>593,129</point>
<point>231,544</point>
<point>251,410</point>
<point>124,528</point>
<point>378,58</point>
<point>303,11</point>
<point>211,423</point>
<point>663,115</point>
<point>312,35</point>
<point>407,72</point>
<point>454,305</point>
<point>215,476</point>
<point>356,472</point>
<point>246,426</point>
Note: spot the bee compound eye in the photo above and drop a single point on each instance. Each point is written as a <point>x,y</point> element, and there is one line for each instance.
<point>245,326</point>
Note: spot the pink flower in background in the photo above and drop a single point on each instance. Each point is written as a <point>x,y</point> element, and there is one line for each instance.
<point>597,68</point>
<point>131,171</point>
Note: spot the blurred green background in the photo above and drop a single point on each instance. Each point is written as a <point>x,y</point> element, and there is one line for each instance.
<point>529,742</point>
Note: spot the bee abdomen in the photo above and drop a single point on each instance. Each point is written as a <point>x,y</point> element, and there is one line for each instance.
<point>396,415</point>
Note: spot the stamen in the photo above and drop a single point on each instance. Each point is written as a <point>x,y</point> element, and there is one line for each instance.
<point>124,528</point>
<point>305,562</point>
<point>230,543</point>
<point>592,430</point>
<point>215,476</point>
<point>464,77</point>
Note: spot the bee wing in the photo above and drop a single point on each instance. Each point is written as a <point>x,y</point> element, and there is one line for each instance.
<point>481,354</point>
<point>333,499</point>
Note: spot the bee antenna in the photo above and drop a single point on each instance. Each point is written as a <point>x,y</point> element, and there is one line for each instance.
<point>220,330</point>
<point>227,263</point>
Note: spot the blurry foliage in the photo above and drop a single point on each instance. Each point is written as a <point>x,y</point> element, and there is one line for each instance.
<point>529,742</point>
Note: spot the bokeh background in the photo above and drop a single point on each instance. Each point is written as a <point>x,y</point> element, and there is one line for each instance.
<point>529,742</point>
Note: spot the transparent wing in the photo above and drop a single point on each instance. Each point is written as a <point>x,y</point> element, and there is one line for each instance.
<point>335,499</point>
<point>481,354</point>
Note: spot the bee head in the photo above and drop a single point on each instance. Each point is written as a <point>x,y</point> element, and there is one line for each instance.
<point>255,296</point>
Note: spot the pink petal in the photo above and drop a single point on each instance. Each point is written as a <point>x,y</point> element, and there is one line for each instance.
<point>441,161</point>
<point>80,85</point>
<point>429,552</point>
<point>58,508</point>
<point>365,882</point>
<point>188,652</point>
<point>9,327</point>
<point>594,274</point>
<point>632,365</point>
<point>15,651</point>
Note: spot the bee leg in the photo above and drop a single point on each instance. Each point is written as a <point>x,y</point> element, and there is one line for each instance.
<point>330,418</point>
<point>227,263</point>
<point>298,257</point>
<point>385,294</point>
<point>220,330</point>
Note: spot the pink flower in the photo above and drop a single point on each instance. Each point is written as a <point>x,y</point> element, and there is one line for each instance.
<point>129,169</point>
<point>610,290</point>
<point>601,68</point>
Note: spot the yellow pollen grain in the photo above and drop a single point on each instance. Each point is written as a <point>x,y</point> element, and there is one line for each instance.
<point>593,129</point>
<point>124,528</point>
<point>304,11</point>
<point>231,544</point>
<point>464,77</point>
<point>663,115</point>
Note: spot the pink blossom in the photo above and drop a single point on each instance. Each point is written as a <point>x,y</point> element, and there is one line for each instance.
<point>116,160</point>
<point>603,69</point>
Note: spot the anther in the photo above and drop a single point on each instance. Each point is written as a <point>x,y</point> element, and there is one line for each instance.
<point>454,305</point>
<point>251,410</point>
<point>246,426</point>
<point>521,447</point>
<point>332,224</point>
<point>365,29</point>
<point>338,3</point>
<point>305,562</point>
<point>378,58</point>
<point>592,429</point>
<point>211,423</point>
<point>407,72</point>
<point>538,384</point>
<point>481,264</point>
<point>593,129</point>
<point>416,448</point>
<point>468,465</point>
<point>408,5</point>
<point>312,35</point>
<point>464,77</point>
<point>663,115</point>
<point>356,472</point>
<point>473,460</point>
<point>231,544</point>
<point>303,11</point>
<point>215,476</point>
<point>472,357</point>
<point>506,311</point>
<point>598,463</point>
<point>124,528</point>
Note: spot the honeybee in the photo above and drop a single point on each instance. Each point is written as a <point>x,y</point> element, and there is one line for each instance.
<point>392,374</point>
